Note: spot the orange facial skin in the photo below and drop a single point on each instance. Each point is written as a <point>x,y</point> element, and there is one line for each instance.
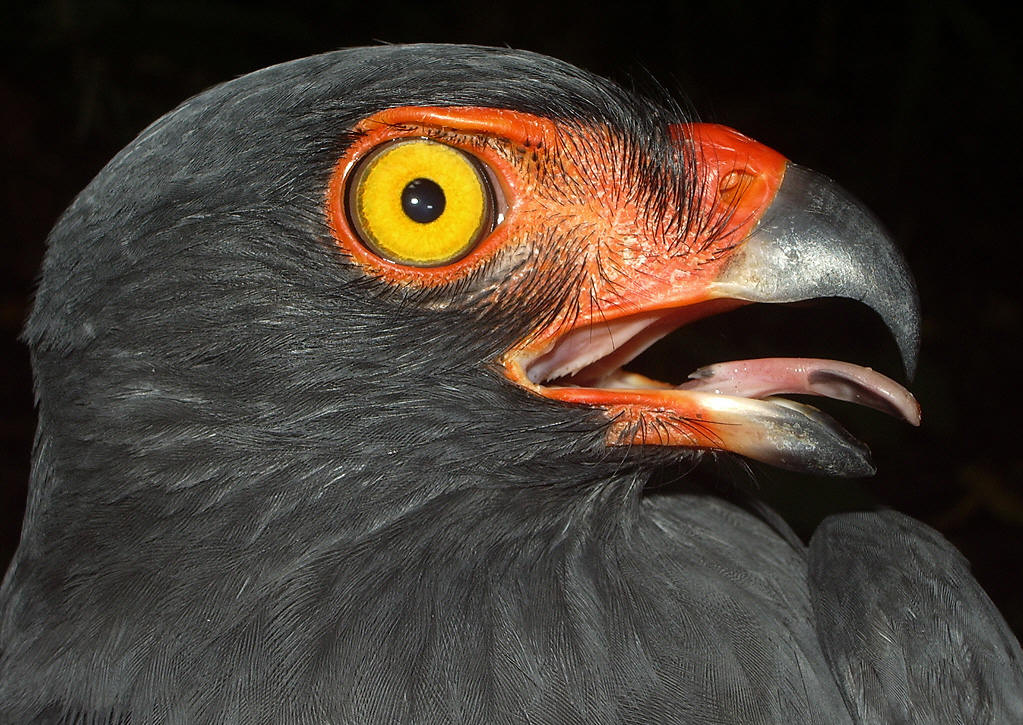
<point>621,234</point>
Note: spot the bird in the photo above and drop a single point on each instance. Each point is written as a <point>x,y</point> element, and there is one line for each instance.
<point>336,423</point>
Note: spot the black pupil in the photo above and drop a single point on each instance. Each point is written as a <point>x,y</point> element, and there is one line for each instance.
<point>422,200</point>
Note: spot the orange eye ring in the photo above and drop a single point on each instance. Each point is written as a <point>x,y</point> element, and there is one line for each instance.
<point>420,202</point>
<point>470,131</point>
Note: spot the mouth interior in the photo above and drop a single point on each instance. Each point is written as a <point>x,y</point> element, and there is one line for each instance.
<point>594,356</point>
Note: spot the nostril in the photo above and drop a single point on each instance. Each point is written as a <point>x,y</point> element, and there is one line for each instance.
<point>730,181</point>
<point>733,185</point>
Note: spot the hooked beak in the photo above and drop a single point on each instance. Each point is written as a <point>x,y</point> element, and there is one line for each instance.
<point>814,240</point>
<point>788,234</point>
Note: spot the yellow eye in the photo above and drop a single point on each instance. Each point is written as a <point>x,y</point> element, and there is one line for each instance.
<point>420,202</point>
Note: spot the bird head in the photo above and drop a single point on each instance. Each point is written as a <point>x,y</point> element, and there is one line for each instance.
<point>344,269</point>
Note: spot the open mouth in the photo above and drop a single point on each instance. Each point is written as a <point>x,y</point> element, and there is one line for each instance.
<point>791,235</point>
<point>595,356</point>
<point>730,405</point>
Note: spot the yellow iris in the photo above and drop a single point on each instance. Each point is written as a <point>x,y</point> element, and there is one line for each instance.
<point>384,204</point>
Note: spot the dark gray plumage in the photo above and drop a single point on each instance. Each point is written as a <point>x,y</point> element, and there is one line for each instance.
<point>907,631</point>
<point>269,489</point>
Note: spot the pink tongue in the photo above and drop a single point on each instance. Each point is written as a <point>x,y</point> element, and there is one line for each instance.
<point>828,378</point>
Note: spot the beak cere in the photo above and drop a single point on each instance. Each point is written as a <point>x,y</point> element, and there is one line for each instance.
<point>785,234</point>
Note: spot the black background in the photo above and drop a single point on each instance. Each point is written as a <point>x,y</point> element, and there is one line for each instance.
<point>915,110</point>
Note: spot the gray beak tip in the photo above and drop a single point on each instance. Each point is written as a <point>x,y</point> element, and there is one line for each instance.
<point>816,240</point>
